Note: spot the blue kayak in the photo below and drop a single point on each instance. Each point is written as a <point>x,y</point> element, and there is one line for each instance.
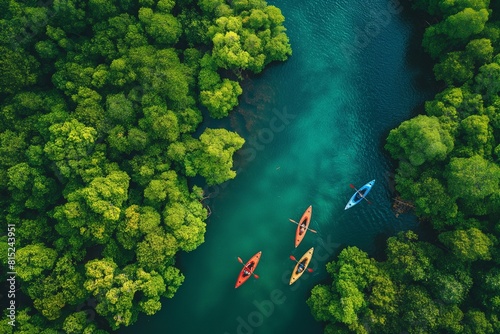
<point>358,195</point>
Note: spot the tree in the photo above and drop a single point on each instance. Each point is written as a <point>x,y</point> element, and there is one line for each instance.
<point>187,223</point>
<point>138,221</point>
<point>69,143</point>
<point>163,27</point>
<point>75,323</point>
<point>222,99</point>
<point>105,195</point>
<point>431,6</point>
<point>419,314</point>
<point>60,288</point>
<point>408,259</point>
<point>456,69</point>
<point>472,178</point>
<point>34,231</point>
<point>12,147</point>
<point>70,15</point>
<point>490,289</point>
<point>488,80</point>
<point>189,119</point>
<point>480,51</point>
<point>477,134</point>
<point>19,70</point>
<point>449,289</point>
<point>468,245</point>
<point>30,186</point>
<point>156,249</point>
<point>119,109</point>
<point>431,199</point>
<point>359,289</point>
<point>213,159</point>
<point>33,260</point>
<point>89,110</point>
<point>434,142</point>
<point>451,319</point>
<point>114,290</point>
<point>319,301</point>
<point>26,322</point>
<point>452,7</point>
<point>228,51</point>
<point>464,23</point>
<point>100,274</point>
<point>435,42</point>
<point>163,123</point>
<point>166,185</point>
<point>476,322</point>
<point>101,10</point>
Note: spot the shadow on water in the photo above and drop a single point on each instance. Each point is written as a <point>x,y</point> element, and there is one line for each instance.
<point>416,57</point>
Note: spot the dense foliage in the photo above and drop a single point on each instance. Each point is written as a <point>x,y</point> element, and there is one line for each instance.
<point>449,167</point>
<point>100,142</point>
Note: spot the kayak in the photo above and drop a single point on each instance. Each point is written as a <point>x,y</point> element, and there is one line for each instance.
<point>358,195</point>
<point>303,263</point>
<point>248,270</point>
<point>303,225</point>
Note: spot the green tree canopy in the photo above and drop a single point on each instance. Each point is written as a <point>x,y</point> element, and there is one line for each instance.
<point>434,142</point>
<point>100,144</point>
<point>19,70</point>
<point>32,260</point>
<point>360,289</point>
<point>465,23</point>
<point>473,178</point>
<point>468,245</point>
<point>456,69</point>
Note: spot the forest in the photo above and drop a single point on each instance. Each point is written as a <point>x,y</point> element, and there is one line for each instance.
<point>102,150</point>
<point>446,280</point>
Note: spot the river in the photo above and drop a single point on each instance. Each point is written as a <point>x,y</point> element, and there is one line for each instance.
<point>314,125</point>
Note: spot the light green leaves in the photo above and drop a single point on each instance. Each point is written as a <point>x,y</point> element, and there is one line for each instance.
<point>32,260</point>
<point>468,245</point>
<point>420,139</point>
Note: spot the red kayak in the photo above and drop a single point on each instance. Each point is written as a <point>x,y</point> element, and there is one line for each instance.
<point>303,225</point>
<point>248,269</point>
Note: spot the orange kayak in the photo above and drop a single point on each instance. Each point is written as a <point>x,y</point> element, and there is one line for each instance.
<point>248,270</point>
<point>303,225</point>
<point>303,263</point>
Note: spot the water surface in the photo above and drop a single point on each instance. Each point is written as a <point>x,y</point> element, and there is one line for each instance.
<point>322,118</point>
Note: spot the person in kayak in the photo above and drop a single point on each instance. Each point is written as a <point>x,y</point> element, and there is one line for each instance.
<point>301,267</point>
<point>247,271</point>
<point>359,195</point>
<point>302,228</point>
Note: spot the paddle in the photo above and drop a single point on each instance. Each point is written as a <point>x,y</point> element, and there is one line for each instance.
<point>310,229</point>
<point>294,259</point>
<point>360,194</point>
<point>244,265</point>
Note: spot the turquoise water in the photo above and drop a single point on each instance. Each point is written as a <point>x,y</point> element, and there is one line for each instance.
<point>313,125</point>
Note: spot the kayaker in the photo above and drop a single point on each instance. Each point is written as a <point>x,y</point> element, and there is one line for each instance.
<point>247,270</point>
<point>302,228</point>
<point>300,268</point>
<point>359,195</point>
